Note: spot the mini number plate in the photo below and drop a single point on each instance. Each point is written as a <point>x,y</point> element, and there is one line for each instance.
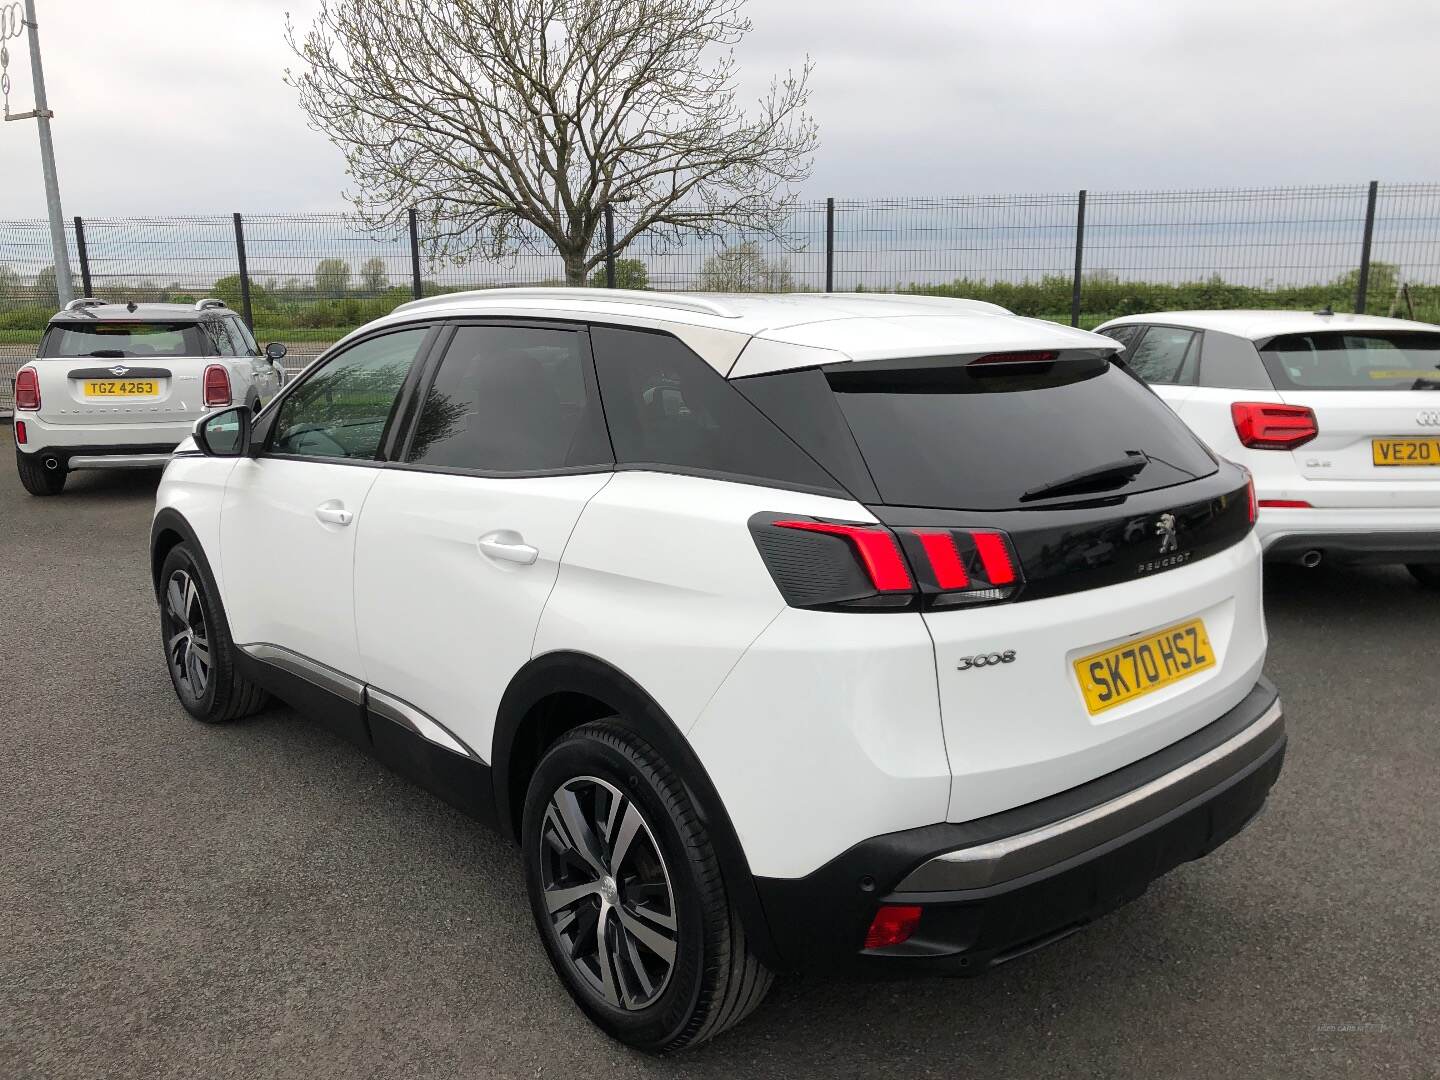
<point>1125,672</point>
<point>121,388</point>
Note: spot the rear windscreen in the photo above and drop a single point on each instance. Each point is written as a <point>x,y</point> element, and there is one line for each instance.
<point>989,439</point>
<point>123,339</point>
<point>1340,360</point>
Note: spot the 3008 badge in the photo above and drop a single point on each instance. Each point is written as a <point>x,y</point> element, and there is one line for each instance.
<point>965,663</point>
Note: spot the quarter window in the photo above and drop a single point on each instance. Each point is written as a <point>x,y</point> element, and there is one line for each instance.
<point>242,337</point>
<point>341,410</point>
<point>515,399</point>
<point>668,408</point>
<point>1160,357</point>
<point>1125,334</point>
<point>217,332</point>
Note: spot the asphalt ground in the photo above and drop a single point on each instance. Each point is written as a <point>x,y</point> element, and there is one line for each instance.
<point>262,900</point>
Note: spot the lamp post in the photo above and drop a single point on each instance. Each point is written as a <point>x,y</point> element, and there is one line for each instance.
<point>12,25</point>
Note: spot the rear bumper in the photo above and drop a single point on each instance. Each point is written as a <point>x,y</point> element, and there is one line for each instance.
<point>74,458</point>
<point>1001,886</point>
<point>72,440</point>
<point>1355,536</point>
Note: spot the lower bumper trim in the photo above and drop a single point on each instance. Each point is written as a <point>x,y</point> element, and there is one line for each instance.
<point>118,461</point>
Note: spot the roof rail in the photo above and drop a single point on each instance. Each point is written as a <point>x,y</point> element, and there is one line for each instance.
<point>208,303</point>
<point>81,302</point>
<point>643,298</point>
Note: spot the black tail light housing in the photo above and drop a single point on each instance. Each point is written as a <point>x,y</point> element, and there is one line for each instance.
<point>861,566</point>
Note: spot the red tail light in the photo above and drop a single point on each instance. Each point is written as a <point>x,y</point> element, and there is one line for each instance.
<point>217,386</point>
<point>27,389</point>
<point>21,436</point>
<point>1287,504</point>
<point>1263,426</point>
<point>830,564</point>
<point>876,547</point>
<point>893,924</point>
<point>1250,497</point>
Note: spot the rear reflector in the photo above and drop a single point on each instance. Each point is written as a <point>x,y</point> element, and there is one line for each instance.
<point>27,389</point>
<point>837,564</point>
<point>893,924</point>
<point>1287,504</point>
<point>217,386</point>
<point>1264,426</point>
<point>21,436</point>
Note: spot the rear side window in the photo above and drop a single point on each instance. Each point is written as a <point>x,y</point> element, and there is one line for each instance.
<point>667,408</point>
<point>1125,335</point>
<point>1339,360</point>
<point>1163,356</point>
<point>341,409</point>
<point>512,399</point>
<point>123,339</point>
<point>982,439</point>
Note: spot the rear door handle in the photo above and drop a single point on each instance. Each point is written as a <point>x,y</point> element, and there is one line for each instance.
<point>333,512</point>
<point>508,546</point>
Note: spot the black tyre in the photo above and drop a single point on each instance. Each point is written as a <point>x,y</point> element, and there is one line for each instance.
<point>196,638</point>
<point>39,480</point>
<point>1427,574</point>
<point>628,895</point>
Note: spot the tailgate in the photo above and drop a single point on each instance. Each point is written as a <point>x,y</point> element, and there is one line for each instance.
<point>1020,730</point>
<point>76,392</point>
<point>1389,436</point>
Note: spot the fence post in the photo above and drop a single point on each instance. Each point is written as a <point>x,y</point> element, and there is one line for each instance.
<point>414,253</point>
<point>244,273</point>
<point>1079,258</point>
<point>829,245</point>
<point>1363,285</point>
<point>609,246</point>
<point>84,254</point>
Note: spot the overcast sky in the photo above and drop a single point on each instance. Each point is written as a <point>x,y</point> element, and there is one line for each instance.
<point>171,106</point>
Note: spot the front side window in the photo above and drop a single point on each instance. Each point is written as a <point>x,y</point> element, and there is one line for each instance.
<point>1160,357</point>
<point>119,340</point>
<point>666,407</point>
<point>512,399</point>
<point>341,410</point>
<point>1337,360</point>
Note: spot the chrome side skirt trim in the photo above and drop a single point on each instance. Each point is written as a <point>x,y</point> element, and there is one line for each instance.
<point>313,672</point>
<point>1015,856</point>
<point>412,719</point>
<point>119,461</point>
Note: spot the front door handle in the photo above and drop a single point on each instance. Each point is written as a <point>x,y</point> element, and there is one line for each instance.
<point>508,546</point>
<point>333,512</point>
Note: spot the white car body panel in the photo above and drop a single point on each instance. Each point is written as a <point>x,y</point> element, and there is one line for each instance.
<point>290,576</point>
<point>441,624</point>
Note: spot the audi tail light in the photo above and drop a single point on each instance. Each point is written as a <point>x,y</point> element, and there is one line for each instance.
<point>27,389</point>
<point>217,386</point>
<point>859,566</point>
<point>1265,426</point>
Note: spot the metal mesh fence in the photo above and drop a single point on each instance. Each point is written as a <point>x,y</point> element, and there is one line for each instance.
<point>313,277</point>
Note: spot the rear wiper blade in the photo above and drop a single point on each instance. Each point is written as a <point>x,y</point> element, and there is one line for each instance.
<point>1095,478</point>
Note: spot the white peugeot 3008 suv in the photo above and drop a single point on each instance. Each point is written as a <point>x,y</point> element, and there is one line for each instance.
<point>782,632</point>
<point>118,386</point>
<point>1335,415</point>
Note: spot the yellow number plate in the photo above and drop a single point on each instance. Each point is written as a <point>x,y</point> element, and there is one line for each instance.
<point>1405,451</point>
<point>1126,672</point>
<point>121,388</point>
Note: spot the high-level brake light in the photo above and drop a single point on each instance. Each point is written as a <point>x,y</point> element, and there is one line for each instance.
<point>1032,357</point>
<point>1266,426</point>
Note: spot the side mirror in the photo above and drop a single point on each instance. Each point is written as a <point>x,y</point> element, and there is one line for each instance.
<point>225,433</point>
<point>275,351</point>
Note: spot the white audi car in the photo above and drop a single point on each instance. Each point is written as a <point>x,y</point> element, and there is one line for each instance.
<point>118,386</point>
<point>1336,416</point>
<point>781,632</point>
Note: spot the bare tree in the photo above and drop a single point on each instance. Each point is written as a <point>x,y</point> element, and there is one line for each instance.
<point>511,123</point>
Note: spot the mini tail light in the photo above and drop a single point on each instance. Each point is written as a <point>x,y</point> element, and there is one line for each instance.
<point>1264,426</point>
<point>21,435</point>
<point>892,925</point>
<point>27,389</point>
<point>836,564</point>
<point>217,386</point>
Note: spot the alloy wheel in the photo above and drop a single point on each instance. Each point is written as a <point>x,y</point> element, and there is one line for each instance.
<point>608,893</point>
<point>187,641</point>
